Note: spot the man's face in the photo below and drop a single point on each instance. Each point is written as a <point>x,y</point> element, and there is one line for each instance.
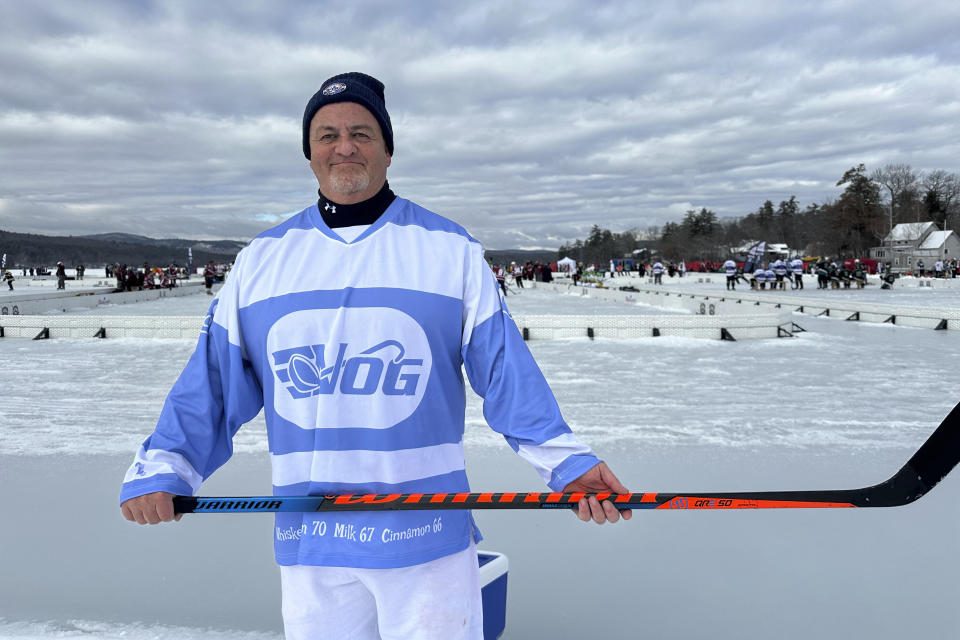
<point>347,152</point>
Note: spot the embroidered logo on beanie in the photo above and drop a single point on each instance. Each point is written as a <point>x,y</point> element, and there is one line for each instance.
<point>334,89</point>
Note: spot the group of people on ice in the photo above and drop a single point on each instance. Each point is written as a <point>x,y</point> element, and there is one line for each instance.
<point>941,269</point>
<point>133,279</point>
<point>831,275</point>
<point>529,271</point>
<point>776,275</point>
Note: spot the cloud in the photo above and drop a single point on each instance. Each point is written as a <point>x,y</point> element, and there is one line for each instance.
<point>526,123</point>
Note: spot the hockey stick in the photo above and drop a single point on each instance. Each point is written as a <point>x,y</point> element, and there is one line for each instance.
<point>930,464</point>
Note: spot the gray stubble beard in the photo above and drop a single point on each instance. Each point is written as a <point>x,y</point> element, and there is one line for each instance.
<point>349,184</point>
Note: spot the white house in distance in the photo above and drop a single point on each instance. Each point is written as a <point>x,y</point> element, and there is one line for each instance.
<point>911,241</point>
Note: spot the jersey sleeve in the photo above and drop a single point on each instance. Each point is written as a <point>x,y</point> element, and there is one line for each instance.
<point>517,402</point>
<point>216,393</point>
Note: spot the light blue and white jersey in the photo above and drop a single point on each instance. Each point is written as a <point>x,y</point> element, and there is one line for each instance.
<point>770,275</point>
<point>657,267</point>
<point>779,268</point>
<point>760,275</point>
<point>354,352</point>
<point>730,267</point>
<point>797,266</point>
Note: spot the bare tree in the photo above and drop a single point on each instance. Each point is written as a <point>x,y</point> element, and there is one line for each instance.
<point>941,196</point>
<point>897,179</point>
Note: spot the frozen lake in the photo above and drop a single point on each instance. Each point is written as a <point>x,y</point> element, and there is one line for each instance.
<point>843,404</point>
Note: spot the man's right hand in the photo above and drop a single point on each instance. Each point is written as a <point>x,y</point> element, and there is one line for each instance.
<point>152,508</point>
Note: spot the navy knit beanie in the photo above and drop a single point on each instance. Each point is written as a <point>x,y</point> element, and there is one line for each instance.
<point>356,87</point>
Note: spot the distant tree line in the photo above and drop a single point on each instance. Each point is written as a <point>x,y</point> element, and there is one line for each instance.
<point>869,206</point>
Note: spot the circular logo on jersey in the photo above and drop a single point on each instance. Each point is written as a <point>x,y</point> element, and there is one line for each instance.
<point>334,89</point>
<point>364,367</point>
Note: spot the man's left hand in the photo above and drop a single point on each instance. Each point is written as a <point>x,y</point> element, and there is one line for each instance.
<point>598,479</point>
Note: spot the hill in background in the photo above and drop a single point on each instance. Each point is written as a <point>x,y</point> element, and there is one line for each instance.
<point>32,250</point>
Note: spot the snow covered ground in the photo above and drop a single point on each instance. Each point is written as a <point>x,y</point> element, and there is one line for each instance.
<point>843,404</point>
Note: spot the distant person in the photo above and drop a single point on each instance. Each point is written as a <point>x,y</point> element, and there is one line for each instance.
<point>759,279</point>
<point>796,266</point>
<point>833,275</point>
<point>61,276</point>
<point>132,279</point>
<point>860,274</point>
<point>150,279</point>
<point>517,274</point>
<point>821,272</point>
<point>120,275</point>
<point>546,273</point>
<point>730,268</point>
<point>887,279</point>
<point>501,275</point>
<point>780,272</point>
<point>348,325</point>
<point>657,272</point>
<point>9,279</point>
<point>209,273</point>
<point>771,277</point>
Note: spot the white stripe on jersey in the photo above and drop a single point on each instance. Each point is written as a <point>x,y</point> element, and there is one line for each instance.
<point>365,466</point>
<point>547,456</point>
<point>156,461</point>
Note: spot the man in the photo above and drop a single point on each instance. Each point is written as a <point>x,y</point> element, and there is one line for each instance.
<point>730,268</point>
<point>501,275</point>
<point>796,266</point>
<point>209,272</point>
<point>779,273</point>
<point>517,274</point>
<point>348,324</point>
<point>759,279</point>
<point>61,276</point>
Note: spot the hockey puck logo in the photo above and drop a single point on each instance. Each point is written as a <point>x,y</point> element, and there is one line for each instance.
<point>334,89</point>
<point>348,368</point>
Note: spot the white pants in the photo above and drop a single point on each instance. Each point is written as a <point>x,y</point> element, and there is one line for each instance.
<point>438,600</point>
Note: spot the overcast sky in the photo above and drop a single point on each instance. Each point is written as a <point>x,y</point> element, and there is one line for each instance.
<point>527,122</point>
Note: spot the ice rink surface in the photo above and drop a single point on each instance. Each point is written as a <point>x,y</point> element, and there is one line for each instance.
<point>843,404</point>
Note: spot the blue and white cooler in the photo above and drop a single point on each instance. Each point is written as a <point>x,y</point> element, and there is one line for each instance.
<point>493,584</point>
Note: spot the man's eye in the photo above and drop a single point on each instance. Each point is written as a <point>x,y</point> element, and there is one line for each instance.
<point>360,134</point>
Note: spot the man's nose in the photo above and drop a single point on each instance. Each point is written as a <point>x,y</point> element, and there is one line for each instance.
<point>345,145</point>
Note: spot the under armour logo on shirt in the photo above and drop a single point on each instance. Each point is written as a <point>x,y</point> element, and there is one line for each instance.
<point>329,207</point>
